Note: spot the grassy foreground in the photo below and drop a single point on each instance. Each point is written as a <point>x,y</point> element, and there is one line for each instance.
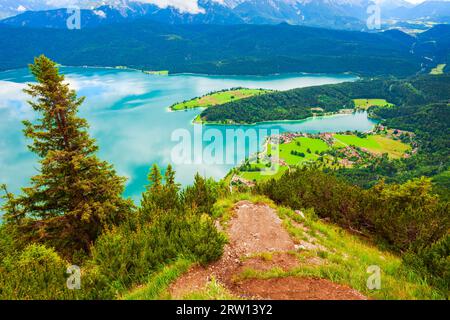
<point>218,98</point>
<point>336,255</point>
<point>345,259</point>
<point>158,282</point>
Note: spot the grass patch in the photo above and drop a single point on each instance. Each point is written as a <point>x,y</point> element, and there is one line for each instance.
<point>159,282</point>
<point>439,69</point>
<point>258,177</point>
<point>374,143</point>
<point>365,104</point>
<point>218,98</point>
<point>213,291</point>
<point>308,147</point>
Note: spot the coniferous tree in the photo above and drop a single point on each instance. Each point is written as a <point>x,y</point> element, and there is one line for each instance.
<point>172,189</point>
<point>153,190</point>
<point>202,195</point>
<point>170,176</point>
<point>75,195</point>
<point>155,179</point>
<point>159,196</point>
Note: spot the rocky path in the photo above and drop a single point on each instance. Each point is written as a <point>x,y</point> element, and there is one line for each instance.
<point>256,229</point>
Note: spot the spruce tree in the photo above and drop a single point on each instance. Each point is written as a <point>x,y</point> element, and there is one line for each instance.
<point>159,196</point>
<point>171,190</point>
<point>75,195</point>
<point>202,195</point>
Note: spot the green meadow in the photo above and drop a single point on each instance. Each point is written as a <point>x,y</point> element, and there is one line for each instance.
<point>438,70</point>
<point>365,104</point>
<point>257,176</point>
<point>374,143</point>
<point>307,146</point>
<point>218,98</point>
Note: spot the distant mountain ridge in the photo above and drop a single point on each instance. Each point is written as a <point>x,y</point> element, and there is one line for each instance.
<point>337,14</point>
<point>428,9</point>
<point>231,49</point>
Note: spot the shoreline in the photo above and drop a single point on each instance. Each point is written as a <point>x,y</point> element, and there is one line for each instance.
<point>346,73</point>
<point>125,68</point>
<point>212,93</point>
<point>328,115</point>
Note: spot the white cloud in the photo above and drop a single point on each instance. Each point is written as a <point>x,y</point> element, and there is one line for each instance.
<point>13,99</point>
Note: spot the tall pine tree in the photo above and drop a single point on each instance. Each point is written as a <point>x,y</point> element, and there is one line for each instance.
<point>75,195</point>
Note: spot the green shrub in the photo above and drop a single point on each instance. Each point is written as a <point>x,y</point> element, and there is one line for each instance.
<point>202,195</point>
<point>35,273</point>
<point>330,197</point>
<point>201,240</point>
<point>408,216</point>
<point>7,244</point>
<point>405,216</point>
<point>125,256</point>
<point>433,261</point>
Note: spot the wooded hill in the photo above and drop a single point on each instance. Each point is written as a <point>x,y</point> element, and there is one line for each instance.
<point>235,49</point>
<point>298,103</point>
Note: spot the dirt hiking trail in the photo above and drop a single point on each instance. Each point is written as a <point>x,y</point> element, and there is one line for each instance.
<point>255,230</point>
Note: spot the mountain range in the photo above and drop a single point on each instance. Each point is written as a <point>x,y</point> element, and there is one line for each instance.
<point>338,14</point>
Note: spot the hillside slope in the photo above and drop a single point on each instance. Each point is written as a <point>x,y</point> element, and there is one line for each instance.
<point>215,49</point>
<point>276,253</point>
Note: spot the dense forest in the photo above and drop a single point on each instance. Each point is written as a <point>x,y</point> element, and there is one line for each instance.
<point>236,49</point>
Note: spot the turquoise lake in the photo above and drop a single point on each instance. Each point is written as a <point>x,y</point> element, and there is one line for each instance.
<point>128,115</point>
